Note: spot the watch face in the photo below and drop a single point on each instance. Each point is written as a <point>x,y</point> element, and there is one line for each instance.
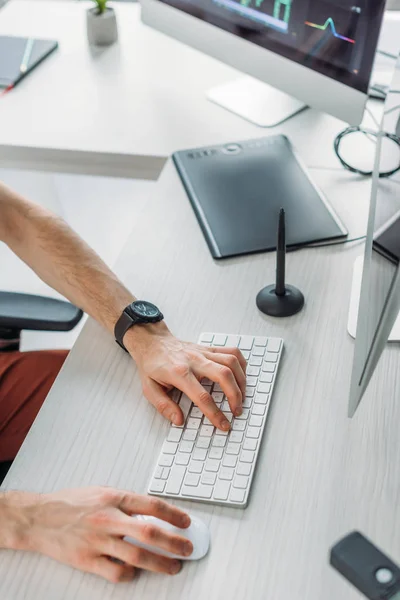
<point>145,309</point>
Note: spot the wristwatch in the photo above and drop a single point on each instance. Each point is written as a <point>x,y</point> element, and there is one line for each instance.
<point>137,313</point>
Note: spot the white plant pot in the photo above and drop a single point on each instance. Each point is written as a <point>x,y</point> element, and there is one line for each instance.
<point>102,30</point>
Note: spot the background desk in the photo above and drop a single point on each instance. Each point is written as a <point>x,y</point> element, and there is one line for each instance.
<point>319,475</point>
<point>142,99</point>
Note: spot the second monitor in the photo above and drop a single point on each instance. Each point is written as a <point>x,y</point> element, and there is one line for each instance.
<point>321,52</point>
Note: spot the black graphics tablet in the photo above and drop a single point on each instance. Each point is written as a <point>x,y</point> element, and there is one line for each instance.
<point>237,189</point>
<point>19,56</point>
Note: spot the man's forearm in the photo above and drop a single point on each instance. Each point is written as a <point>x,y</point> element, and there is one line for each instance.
<point>61,258</point>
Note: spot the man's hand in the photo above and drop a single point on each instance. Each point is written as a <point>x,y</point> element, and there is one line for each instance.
<point>164,362</point>
<point>84,528</point>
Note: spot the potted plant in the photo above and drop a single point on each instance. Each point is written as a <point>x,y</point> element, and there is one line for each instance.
<point>101,24</point>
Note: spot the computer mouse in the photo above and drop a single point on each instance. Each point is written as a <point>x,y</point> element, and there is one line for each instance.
<point>197,533</point>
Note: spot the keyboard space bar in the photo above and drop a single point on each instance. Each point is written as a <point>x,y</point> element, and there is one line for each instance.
<point>203,491</point>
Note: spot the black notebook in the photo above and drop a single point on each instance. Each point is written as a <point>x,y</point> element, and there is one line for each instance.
<point>387,239</point>
<point>19,56</point>
<point>237,189</point>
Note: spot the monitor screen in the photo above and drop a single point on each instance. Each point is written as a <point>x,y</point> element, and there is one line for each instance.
<point>337,38</point>
<point>382,251</point>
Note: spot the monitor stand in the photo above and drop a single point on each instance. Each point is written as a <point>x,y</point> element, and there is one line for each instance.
<point>255,101</point>
<point>355,301</point>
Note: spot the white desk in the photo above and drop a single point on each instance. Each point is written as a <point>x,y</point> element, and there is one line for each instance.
<point>141,99</point>
<point>319,474</point>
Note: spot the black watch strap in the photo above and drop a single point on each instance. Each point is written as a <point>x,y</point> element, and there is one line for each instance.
<point>124,323</point>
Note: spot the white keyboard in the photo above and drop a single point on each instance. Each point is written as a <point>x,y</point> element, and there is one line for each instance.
<point>200,462</point>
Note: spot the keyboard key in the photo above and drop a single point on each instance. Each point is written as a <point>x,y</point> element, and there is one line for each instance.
<point>238,425</point>
<point>237,495</point>
<point>260,341</point>
<point>250,391</point>
<point>230,460</point>
<point>236,436</point>
<point>255,421</point>
<point>199,454</point>
<point>225,406</point>
<point>253,432</point>
<point>212,465</point>
<point>203,442</point>
<point>270,357</point>
<point>165,460</point>
<point>221,490</point>
<point>158,472</point>
<point>165,473</point>
<point>206,381</point>
<point>250,444</point>
<point>229,416</point>
<point>244,415</point>
<point>246,354</point>
<point>247,402</point>
<point>246,456</point>
<point>190,435</point>
<point>208,478</point>
<point>246,342</point>
<point>175,480</point>
<point>269,367</point>
<point>226,473</point>
<point>243,469</point>
<point>157,485</point>
<point>253,371</point>
<point>251,382</point>
<point>206,421</point>
<point>264,388</point>
<point>216,453</point>
<point>193,423</point>
<point>217,388</point>
<point>258,409</point>
<point>266,377</point>
<point>219,340</point>
<point>193,479</point>
<point>217,396</point>
<point>232,341</point>
<point>196,412</point>
<point>258,351</point>
<point>202,491</point>
<point>240,482</point>
<point>207,337</point>
<point>184,404</point>
<point>261,399</point>
<point>195,466</point>
<point>222,433</point>
<point>218,441</point>
<point>170,448</point>
<point>174,435</point>
<point>207,430</point>
<point>176,395</point>
<point>186,447</point>
<point>232,448</point>
<point>256,361</point>
<point>274,344</point>
<point>182,459</point>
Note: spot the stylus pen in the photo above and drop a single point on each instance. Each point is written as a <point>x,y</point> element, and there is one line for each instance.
<point>280,256</point>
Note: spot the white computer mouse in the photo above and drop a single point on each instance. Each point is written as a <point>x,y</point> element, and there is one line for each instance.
<point>197,533</point>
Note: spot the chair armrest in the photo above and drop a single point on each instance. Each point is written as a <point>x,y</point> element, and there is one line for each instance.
<point>25,311</point>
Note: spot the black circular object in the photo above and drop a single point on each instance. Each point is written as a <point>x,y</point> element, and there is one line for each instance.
<point>269,303</point>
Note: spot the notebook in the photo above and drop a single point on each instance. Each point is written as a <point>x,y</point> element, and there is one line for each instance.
<point>19,56</point>
<point>237,189</point>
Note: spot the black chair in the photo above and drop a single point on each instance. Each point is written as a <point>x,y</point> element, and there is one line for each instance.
<point>28,312</point>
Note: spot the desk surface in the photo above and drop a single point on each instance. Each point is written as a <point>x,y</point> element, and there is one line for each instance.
<point>319,475</point>
<point>142,98</point>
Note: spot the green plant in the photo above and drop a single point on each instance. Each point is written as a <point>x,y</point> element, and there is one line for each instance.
<point>101,6</point>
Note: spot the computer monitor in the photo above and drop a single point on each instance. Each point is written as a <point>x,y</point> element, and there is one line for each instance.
<point>379,303</point>
<point>321,52</point>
